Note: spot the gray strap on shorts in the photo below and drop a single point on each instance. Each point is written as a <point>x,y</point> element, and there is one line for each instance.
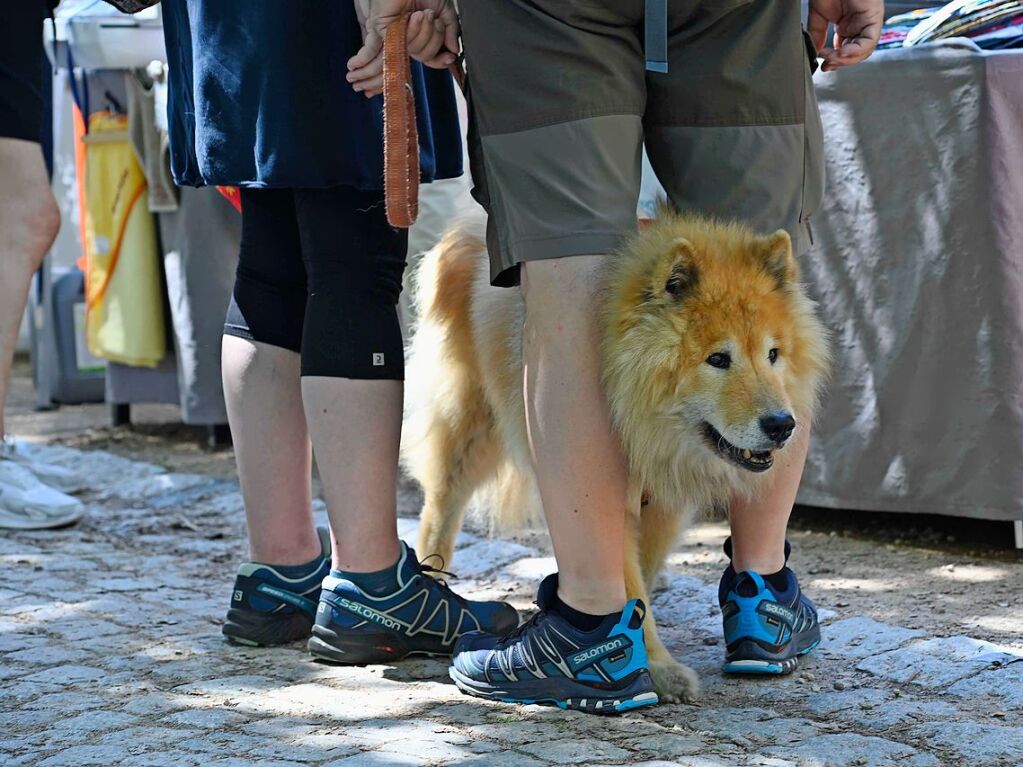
<point>656,34</point>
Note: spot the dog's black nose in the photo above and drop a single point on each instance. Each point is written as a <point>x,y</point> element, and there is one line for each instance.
<point>778,426</point>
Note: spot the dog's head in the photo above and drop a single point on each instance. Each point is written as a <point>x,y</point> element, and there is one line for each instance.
<point>710,340</point>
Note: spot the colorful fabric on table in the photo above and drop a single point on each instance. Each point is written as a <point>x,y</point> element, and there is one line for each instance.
<point>989,23</point>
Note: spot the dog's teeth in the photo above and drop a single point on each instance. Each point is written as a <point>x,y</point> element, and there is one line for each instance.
<point>746,454</point>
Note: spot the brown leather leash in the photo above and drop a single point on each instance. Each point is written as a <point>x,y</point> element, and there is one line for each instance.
<point>401,137</point>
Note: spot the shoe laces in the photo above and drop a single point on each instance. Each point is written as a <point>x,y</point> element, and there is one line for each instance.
<point>431,572</point>
<point>517,633</point>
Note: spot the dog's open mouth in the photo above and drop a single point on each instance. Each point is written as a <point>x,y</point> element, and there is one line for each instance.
<point>751,460</point>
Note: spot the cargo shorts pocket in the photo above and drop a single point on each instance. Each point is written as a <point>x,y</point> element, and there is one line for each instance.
<point>813,147</point>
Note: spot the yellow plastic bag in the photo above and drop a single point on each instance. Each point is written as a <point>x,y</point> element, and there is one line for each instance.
<point>124,301</point>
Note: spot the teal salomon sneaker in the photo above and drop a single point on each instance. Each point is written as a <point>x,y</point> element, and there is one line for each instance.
<point>423,616</point>
<point>547,660</point>
<point>767,629</point>
<point>271,604</point>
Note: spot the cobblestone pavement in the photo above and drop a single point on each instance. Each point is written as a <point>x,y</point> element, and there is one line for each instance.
<point>110,654</point>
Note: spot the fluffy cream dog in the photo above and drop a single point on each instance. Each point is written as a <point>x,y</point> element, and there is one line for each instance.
<point>706,331</point>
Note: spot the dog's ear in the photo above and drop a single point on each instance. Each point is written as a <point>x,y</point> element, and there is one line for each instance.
<point>776,252</point>
<point>679,274</point>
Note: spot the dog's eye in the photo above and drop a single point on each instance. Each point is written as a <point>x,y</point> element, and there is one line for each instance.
<point>720,360</point>
<point>773,355</point>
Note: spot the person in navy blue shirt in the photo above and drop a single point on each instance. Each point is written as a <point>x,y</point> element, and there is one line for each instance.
<point>312,350</point>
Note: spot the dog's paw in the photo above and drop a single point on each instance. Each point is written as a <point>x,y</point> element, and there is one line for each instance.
<point>674,682</point>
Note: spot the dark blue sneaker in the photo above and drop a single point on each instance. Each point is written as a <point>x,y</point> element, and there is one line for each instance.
<point>767,630</point>
<point>423,617</point>
<point>547,660</point>
<point>268,607</point>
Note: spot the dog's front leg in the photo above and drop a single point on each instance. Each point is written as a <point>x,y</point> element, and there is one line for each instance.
<point>675,683</point>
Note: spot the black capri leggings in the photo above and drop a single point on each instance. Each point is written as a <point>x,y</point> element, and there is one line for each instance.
<point>319,273</point>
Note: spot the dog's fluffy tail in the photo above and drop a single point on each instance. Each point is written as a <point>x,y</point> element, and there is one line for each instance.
<point>452,437</point>
<point>440,360</point>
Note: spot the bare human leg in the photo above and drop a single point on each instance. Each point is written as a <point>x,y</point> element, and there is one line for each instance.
<point>759,524</point>
<point>578,460</point>
<point>263,391</point>
<point>356,428</point>
<point>29,220</point>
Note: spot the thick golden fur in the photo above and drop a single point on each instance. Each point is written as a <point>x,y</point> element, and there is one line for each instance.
<point>682,289</point>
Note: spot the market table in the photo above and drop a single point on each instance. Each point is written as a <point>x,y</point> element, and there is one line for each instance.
<point>918,267</point>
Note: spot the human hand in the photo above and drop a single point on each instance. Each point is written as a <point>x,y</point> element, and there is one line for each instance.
<point>857,30</point>
<point>432,38</point>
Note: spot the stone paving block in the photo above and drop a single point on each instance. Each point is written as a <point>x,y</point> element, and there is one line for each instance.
<point>243,684</point>
<point>373,733</point>
<point>83,755</point>
<point>14,640</point>
<point>977,745</point>
<point>379,759</point>
<point>877,709</point>
<point>670,745</point>
<point>690,603</point>
<point>501,759</point>
<point>91,722</point>
<point>226,504</point>
<point>285,728</point>
<point>934,662</point>
<point>759,725</point>
<point>433,750</point>
<point>579,751</point>
<point>163,759</point>
<point>65,702</point>
<point>106,470</point>
<point>861,637</point>
<point>531,570</point>
<point>208,718</point>
<point>64,675</point>
<point>24,760</point>
<point>146,738</point>
<point>518,732</point>
<point>192,497</point>
<point>853,750</point>
<point>487,555</point>
<point>10,670</point>
<point>1002,685</point>
<point>82,627</point>
<point>141,488</point>
<point>47,654</point>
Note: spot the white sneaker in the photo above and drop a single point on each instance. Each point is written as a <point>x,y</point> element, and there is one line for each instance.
<point>28,504</point>
<point>56,476</point>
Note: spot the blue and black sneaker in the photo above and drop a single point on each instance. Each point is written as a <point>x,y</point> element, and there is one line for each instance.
<point>274,604</point>
<point>547,660</point>
<point>423,616</point>
<point>767,627</point>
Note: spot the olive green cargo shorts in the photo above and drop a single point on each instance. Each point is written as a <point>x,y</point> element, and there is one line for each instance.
<point>561,104</point>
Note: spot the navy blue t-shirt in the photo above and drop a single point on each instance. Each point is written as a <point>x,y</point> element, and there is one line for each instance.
<point>258,98</point>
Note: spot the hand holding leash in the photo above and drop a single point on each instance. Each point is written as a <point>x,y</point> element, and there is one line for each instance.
<point>432,37</point>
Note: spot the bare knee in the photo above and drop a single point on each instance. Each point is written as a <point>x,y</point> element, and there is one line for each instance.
<point>47,224</point>
<point>561,297</point>
<point>30,225</point>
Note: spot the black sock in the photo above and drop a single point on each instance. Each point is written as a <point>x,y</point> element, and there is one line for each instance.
<point>778,581</point>
<point>578,620</point>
